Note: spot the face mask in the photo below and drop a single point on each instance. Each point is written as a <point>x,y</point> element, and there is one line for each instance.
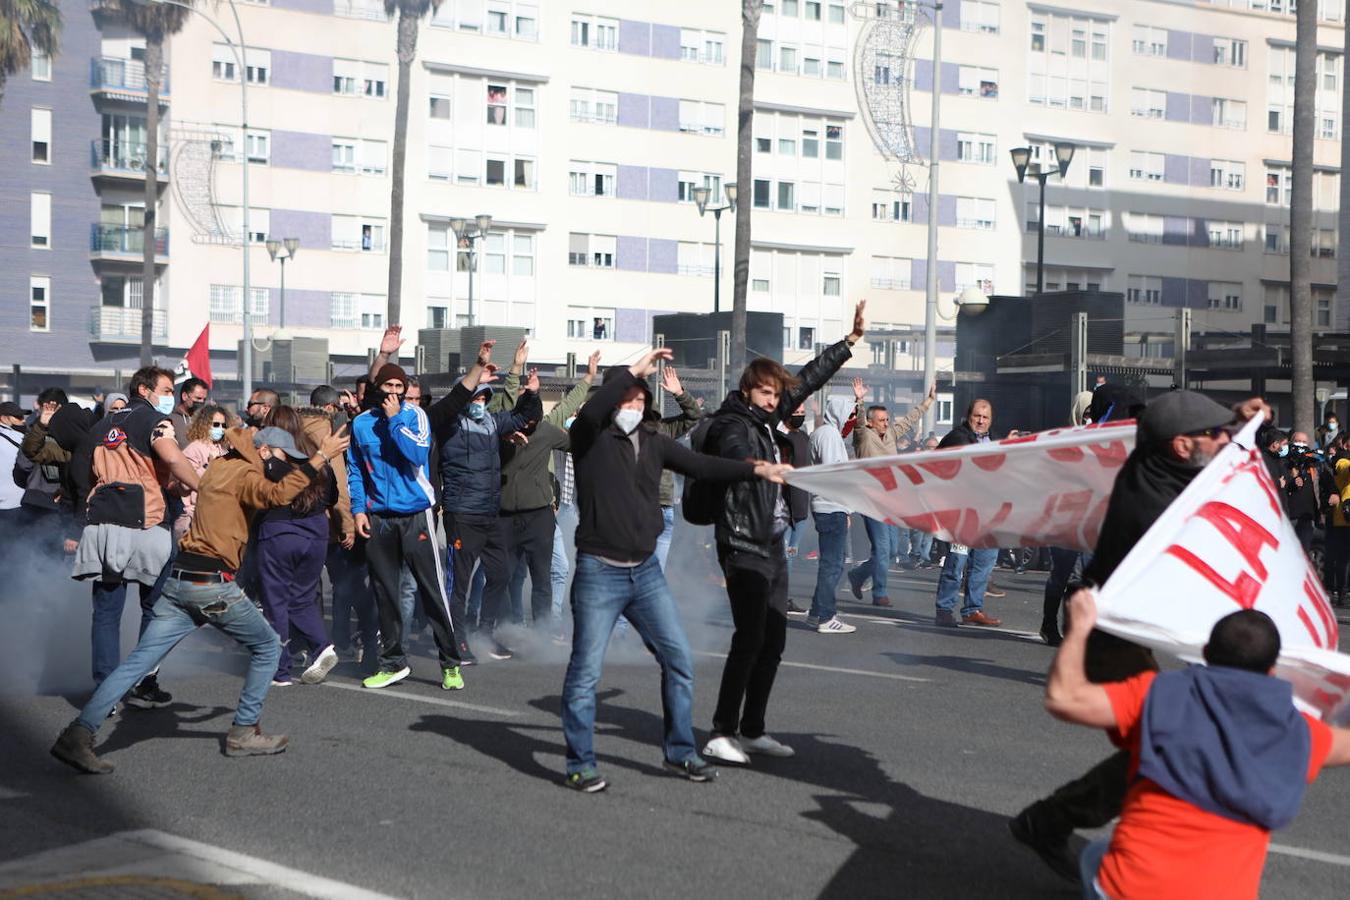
<point>217,433</point>
<point>193,407</point>
<point>164,405</point>
<point>628,419</point>
<point>1284,450</point>
<point>477,411</point>
<point>276,469</point>
<point>797,421</point>
<point>1332,426</point>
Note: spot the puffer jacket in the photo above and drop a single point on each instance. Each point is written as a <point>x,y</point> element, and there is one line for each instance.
<point>746,521</point>
<point>471,468</point>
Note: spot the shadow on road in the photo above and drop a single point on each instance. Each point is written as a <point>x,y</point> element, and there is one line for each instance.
<point>970,665</point>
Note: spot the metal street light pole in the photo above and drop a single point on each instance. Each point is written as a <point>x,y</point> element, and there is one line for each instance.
<point>930,306</point>
<point>274,248</point>
<point>701,195</point>
<point>460,227</point>
<point>237,49</point>
<point>1021,157</point>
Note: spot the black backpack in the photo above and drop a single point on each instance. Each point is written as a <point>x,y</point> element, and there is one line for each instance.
<point>701,501</point>
<point>41,484</point>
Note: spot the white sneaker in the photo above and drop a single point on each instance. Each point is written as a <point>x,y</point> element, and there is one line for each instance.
<point>766,746</point>
<point>727,750</point>
<point>834,626</point>
<point>322,665</point>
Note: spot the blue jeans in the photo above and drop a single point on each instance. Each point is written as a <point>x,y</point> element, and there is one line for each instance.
<point>601,593</point>
<point>920,544</point>
<point>832,528</point>
<point>105,629</point>
<point>1089,864</point>
<point>182,608</point>
<point>667,535</point>
<point>879,534</point>
<point>558,572</point>
<point>792,539</point>
<point>949,582</point>
<point>347,574</point>
<point>899,543</point>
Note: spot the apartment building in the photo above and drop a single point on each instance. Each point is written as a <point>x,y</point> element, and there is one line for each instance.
<point>583,128</point>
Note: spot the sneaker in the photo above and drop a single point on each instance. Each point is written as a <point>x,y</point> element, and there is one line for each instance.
<point>726,749</point>
<point>766,746</point>
<point>451,680</point>
<point>1050,634</point>
<point>856,584</point>
<point>466,657</point>
<point>248,740</point>
<point>1053,851</point>
<point>75,748</point>
<point>813,621</point>
<point>322,665</point>
<point>282,682</point>
<point>383,679</point>
<point>588,781</point>
<point>992,591</point>
<point>148,695</point>
<point>500,651</point>
<point>795,610</point>
<point>115,711</point>
<point>694,768</point>
<point>945,618</point>
<point>834,626</point>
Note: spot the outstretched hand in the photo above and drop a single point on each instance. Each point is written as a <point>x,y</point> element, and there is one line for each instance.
<point>392,340</point>
<point>858,323</point>
<point>532,381</point>
<point>487,375</point>
<point>647,364</point>
<point>932,391</point>
<point>771,471</point>
<point>593,365</point>
<point>522,354</point>
<point>859,390</point>
<point>670,381</point>
<point>485,352</point>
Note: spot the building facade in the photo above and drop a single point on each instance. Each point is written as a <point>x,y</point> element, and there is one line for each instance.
<point>583,130</point>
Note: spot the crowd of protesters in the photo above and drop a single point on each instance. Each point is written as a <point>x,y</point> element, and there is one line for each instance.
<point>430,513</point>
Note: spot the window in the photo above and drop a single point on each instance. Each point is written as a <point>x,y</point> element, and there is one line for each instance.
<point>834,63</point>
<point>787,60</point>
<point>1096,163</point>
<point>438,250</point>
<point>890,206</point>
<point>223,66</point>
<point>1227,174</point>
<point>836,14</point>
<point>1147,166</point>
<point>1323,243</point>
<point>373,157</point>
<point>891,273</point>
<point>1230,113</point>
<point>41,122</point>
<point>975,212</point>
<point>695,259</point>
<point>1230,52</point>
<point>979,15</point>
<point>496,104</point>
<point>527,23</point>
<point>40,65</point>
<point>439,107</point>
<point>1144,289</point>
<point>977,148</point>
<point>813,10</point>
<point>522,255</point>
<point>591,179</point>
<point>1277,239</point>
<point>977,275</point>
<point>1225,295</point>
<point>258,146</point>
<point>790,8</point>
<point>376,77</point>
<point>440,163</point>
<point>973,81</point>
<point>806,339</point>
<point>834,142</point>
<point>39,303</point>
<point>830,284</point>
<point>345,75</point>
<point>589,105</point>
<point>1147,103</point>
<point>764,54</point>
<point>786,197</point>
<point>524,107</point>
<point>1149,41</point>
<point>522,173</point>
<point>595,250</point>
<point>702,118</point>
<point>761,194</point>
<point>497,21</point>
<point>1144,228</point>
<point>810,143</point>
<point>359,233</point>
<point>713,42</point>
<point>496,173</point>
<point>1279,186</point>
<point>834,200</point>
<point>40,216</point>
<point>257,65</point>
<point>1225,235</point>
<point>595,32</point>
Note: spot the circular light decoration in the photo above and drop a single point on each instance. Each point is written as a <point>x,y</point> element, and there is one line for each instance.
<point>883,63</point>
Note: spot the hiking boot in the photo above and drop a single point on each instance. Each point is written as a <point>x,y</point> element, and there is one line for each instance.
<point>1052,849</point>
<point>588,781</point>
<point>75,748</point>
<point>148,695</point>
<point>992,591</point>
<point>383,679</point>
<point>248,740</point>
<point>451,680</point>
<point>945,618</point>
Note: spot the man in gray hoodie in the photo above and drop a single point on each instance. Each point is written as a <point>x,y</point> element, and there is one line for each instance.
<point>827,446</point>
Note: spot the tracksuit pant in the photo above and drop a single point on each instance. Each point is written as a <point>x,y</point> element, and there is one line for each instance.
<point>289,567</point>
<point>472,538</point>
<point>394,540</point>
<point>529,542</point>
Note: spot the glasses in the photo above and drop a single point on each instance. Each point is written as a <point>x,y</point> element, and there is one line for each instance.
<point>253,403</point>
<point>218,424</point>
<point>1211,433</point>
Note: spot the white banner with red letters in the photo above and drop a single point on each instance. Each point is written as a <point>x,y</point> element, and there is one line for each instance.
<point>1040,490</point>
<point>1225,544</point>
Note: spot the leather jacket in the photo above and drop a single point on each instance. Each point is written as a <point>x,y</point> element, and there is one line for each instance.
<point>739,431</point>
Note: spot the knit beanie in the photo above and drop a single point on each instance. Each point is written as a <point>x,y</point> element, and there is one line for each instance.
<point>389,372</point>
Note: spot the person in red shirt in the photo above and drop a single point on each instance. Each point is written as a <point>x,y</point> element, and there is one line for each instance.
<point>1219,757</point>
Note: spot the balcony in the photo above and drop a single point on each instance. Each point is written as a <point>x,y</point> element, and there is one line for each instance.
<point>123,79</point>
<point>121,323</point>
<point>125,242</point>
<point>125,161</point>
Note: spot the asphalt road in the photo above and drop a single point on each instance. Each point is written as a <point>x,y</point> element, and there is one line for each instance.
<point>914,744</point>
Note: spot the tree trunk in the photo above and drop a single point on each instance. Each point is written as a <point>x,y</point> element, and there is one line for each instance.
<point>154,67</point>
<point>1341,320</point>
<point>407,52</point>
<point>1301,218</point>
<point>745,183</point>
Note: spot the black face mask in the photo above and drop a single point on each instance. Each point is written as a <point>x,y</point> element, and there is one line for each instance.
<point>276,469</point>
<point>797,421</point>
<point>193,407</point>
<point>340,418</point>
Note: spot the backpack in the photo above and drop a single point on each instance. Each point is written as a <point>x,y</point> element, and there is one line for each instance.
<point>127,490</point>
<point>701,501</point>
<point>41,484</point>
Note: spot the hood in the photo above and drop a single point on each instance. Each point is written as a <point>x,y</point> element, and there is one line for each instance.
<point>1081,404</point>
<point>240,440</point>
<point>837,411</point>
<point>648,410</point>
<point>69,426</point>
<point>1228,741</point>
<point>484,391</point>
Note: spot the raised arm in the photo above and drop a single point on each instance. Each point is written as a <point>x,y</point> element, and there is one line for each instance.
<point>1068,693</point>
<point>860,412</point>
<point>690,411</point>
<point>257,492</point>
<point>505,397</point>
<point>594,413</point>
<point>528,408</point>
<point>573,399</point>
<point>389,344</point>
<point>818,372</point>
<point>911,419</point>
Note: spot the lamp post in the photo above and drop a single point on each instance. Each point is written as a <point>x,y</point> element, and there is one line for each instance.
<point>236,46</point>
<point>274,248</point>
<point>701,195</point>
<point>1021,157</point>
<point>470,233</point>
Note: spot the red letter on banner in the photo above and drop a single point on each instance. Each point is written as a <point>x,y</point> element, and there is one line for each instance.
<point>1243,592</point>
<point>1240,530</point>
<point>884,475</point>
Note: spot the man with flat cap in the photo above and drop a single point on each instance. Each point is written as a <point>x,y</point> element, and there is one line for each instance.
<point>1177,436</point>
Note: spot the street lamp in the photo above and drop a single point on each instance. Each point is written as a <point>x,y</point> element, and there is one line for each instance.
<point>1021,157</point>
<point>274,248</point>
<point>469,233</point>
<point>701,195</point>
<point>236,46</point>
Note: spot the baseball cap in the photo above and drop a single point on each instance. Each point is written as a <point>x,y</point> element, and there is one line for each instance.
<point>10,408</point>
<point>279,438</point>
<point>1180,412</point>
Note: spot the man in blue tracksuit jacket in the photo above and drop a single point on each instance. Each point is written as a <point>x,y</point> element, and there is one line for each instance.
<point>392,502</point>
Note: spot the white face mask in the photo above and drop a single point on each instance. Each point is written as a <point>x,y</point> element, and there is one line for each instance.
<point>217,433</point>
<point>164,405</point>
<point>628,419</point>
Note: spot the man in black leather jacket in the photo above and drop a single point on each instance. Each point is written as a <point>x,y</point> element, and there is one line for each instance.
<point>749,531</point>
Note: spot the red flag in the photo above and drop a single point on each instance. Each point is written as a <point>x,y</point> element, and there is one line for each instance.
<point>197,361</point>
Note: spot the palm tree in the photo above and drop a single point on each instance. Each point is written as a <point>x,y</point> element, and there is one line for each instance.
<point>25,25</point>
<point>745,184</point>
<point>1343,214</point>
<point>410,15</point>
<point>1301,217</point>
<point>157,21</point>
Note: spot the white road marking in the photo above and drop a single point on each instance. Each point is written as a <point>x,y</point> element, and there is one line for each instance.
<point>434,701</point>
<point>842,671</point>
<point>1334,859</point>
<point>884,620</point>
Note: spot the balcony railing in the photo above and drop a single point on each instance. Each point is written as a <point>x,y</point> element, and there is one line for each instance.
<point>124,157</point>
<point>370,10</point>
<point>111,73</point>
<point>125,239</point>
<point>120,322</point>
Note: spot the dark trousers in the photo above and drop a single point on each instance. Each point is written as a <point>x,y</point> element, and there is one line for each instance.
<point>289,566</point>
<point>1087,802</point>
<point>473,538</point>
<point>1061,570</point>
<point>529,543</point>
<point>1306,528</point>
<point>757,588</point>
<point>395,540</point>
<point>347,574</point>
<point>1336,561</point>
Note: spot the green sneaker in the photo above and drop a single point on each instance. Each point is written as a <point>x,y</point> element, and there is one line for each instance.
<point>383,679</point>
<point>451,680</point>
<point>588,781</point>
